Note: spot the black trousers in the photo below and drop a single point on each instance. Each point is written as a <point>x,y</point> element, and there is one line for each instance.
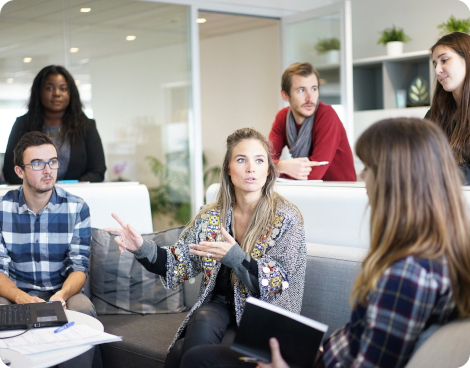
<point>219,356</point>
<point>212,324</point>
<point>213,356</point>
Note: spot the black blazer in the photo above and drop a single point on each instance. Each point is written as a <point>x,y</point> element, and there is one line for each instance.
<point>86,156</point>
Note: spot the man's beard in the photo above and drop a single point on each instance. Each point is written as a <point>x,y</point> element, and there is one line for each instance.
<point>38,189</point>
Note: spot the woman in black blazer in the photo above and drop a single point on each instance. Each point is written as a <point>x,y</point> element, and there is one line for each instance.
<point>55,109</point>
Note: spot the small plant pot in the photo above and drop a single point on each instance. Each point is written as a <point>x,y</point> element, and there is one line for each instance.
<point>394,48</point>
<point>332,57</point>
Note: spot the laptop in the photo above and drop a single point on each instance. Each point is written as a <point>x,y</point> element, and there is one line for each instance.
<point>22,316</point>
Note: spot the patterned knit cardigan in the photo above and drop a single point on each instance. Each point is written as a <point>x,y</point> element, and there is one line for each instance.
<point>280,253</point>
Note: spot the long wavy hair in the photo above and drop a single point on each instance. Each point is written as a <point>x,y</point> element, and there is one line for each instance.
<point>74,119</point>
<point>265,211</point>
<point>452,118</point>
<point>416,201</point>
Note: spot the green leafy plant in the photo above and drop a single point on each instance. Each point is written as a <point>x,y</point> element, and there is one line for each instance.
<point>171,196</point>
<point>454,25</point>
<point>393,34</point>
<point>327,44</point>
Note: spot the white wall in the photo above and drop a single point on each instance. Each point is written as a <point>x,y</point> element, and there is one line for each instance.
<point>240,86</point>
<point>131,106</point>
<point>419,18</point>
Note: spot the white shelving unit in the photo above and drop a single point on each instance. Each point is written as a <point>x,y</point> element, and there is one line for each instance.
<point>375,82</point>
<point>376,79</point>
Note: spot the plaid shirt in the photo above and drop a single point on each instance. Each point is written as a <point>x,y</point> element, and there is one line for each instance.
<point>38,252</point>
<point>411,295</point>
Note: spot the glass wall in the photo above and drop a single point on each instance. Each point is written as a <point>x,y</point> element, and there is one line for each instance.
<point>131,63</point>
<point>317,41</point>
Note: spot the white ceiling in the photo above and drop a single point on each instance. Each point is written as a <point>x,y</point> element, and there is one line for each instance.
<point>36,29</point>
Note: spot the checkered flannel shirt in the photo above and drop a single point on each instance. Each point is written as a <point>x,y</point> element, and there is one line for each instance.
<point>38,252</point>
<point>411,295</point>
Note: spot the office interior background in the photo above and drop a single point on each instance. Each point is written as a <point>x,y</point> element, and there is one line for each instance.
<point>165,90</point>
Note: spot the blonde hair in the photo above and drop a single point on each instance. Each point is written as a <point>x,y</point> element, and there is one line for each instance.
<point>265,211</point>
<point>417,206</point>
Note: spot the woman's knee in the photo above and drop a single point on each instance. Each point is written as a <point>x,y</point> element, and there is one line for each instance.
<point>211,314</point>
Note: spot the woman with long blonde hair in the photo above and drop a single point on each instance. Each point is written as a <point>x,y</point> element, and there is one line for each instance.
<point>250,242</point>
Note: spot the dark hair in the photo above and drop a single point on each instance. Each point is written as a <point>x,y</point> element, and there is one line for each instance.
<point>302,69</point>
<point>453,119</point>
<point>416,201</point>
<point>74,119</point>
<point>30,139</point>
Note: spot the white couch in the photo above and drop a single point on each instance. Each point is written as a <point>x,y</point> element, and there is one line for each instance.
<point>130,200</point>
<point>334,213</point>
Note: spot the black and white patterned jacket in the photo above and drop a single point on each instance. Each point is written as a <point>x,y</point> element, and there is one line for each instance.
<point>280,254</point>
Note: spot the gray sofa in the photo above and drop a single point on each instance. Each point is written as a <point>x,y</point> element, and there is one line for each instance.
<point>331,270</point>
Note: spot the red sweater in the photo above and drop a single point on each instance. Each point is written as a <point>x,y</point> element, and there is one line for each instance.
<point>329,143</point>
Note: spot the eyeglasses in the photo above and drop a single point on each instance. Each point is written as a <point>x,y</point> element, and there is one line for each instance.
<point>41,165</point>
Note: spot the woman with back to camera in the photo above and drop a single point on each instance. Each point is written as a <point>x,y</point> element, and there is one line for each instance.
<point>417,271</point>
<point>250,242</point>
<point>450,107</point>
<point>55,109</point>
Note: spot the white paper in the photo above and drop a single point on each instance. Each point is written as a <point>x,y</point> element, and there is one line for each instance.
<point>44,339</point>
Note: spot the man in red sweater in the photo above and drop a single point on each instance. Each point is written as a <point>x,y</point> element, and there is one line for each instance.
<point>312,130</point>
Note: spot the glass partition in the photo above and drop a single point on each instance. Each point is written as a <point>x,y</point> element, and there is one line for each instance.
<point>131,63</point>
<point>317,41</point>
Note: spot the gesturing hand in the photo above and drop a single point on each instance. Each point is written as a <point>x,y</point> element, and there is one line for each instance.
<point>297,168</point>
<point>216,250</point>
<point>128,237</point>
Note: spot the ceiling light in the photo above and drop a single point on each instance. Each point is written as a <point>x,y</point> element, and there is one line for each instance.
<point>9,80</point>
<point>84,61</point>
<point>27,59</point>
<point>85,10</point>
<point>77,82</point>
<point>74,49</point>
<point>201,20</point>
<point>130,38</point>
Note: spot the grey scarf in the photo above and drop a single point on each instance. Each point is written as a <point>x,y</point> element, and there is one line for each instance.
<point>299,142</point>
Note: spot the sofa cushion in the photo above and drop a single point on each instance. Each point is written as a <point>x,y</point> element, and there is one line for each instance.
<point>145,339</point>
<point>448,346</point>
<point>331,271</point>
<point>120,285</point>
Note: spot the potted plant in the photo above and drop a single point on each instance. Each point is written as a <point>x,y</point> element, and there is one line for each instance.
<point>330,48</point>
<point>393,38</point>
<point>170,198</point>
<point>454,25</point>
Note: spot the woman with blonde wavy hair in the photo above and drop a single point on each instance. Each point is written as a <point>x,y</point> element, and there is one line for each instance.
<point>250,242</point>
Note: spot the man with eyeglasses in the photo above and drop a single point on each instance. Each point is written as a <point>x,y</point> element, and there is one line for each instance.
<point>45,236</point>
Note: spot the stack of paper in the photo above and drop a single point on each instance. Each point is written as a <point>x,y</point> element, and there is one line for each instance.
<point>44,339</point>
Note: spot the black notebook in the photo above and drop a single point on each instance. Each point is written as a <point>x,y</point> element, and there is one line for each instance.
<point>299,337</point>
